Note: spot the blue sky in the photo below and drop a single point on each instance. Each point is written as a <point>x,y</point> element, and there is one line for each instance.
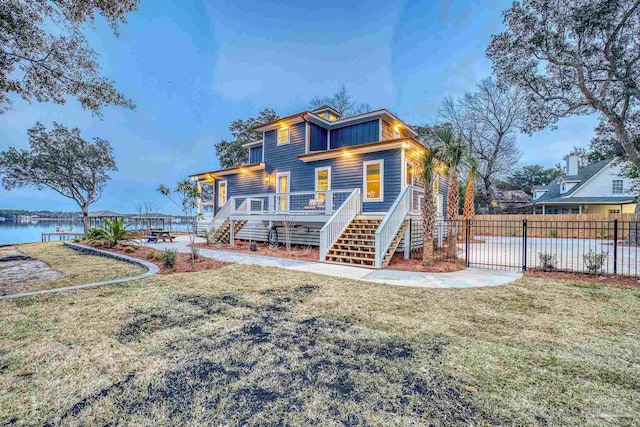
<point>194,66</point>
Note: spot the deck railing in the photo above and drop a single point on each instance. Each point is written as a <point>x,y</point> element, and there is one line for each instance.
<point>417,194</point>
<point>298,203</point>
<point>222,214</point>
<point>336,225</point>
<point>391,223</point>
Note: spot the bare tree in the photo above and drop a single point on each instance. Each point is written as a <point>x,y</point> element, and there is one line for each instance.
<point>488,119</point>
<point>342,102</point>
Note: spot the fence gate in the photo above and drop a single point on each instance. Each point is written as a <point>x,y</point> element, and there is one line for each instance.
<point>495,244</point>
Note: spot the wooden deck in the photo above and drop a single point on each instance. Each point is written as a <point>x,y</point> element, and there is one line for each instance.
<point>62,235</point>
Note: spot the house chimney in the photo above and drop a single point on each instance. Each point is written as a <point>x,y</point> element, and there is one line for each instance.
<point>572,165</point>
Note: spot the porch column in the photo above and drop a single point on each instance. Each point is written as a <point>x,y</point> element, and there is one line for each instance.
<point>543,210</point>
<point>580,207</point>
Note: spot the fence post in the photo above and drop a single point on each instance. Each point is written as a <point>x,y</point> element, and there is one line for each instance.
<point>615,246</point>
<point>467,245</point>
<point>524,245</point>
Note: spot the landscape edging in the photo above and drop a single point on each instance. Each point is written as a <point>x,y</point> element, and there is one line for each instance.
<point>151,270</point>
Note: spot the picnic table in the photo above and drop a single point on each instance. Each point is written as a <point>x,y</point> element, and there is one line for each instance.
<point>156,235</point>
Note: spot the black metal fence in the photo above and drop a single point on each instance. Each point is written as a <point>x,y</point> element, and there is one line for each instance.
<point>596,247</point>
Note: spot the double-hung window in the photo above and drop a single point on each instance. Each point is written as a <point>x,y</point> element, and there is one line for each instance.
<point>283,135</point>
<point>617,186</point>
<point>373,180</point>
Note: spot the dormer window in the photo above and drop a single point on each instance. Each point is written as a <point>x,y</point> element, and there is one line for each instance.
<point>283,135</point>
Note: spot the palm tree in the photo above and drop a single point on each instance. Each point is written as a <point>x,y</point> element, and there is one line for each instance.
<point>469,209</point>
<point>115,230</point>
<point>428,206</point>
<point>453,154</point>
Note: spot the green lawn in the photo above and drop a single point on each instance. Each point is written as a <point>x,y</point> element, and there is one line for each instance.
<point>76,268</point>
<point>251,345</point>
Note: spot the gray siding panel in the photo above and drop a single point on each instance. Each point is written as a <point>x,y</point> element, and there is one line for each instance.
<point>318,138</point>
<point>255,155</point>
<point>361,133</point>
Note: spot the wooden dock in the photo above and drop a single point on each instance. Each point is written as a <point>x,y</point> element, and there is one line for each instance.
<point>62,235</point>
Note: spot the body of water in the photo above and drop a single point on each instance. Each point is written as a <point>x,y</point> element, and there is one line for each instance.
<point>27,232</point>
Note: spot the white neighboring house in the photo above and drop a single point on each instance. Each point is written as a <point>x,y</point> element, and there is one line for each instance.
<point>599,188</point>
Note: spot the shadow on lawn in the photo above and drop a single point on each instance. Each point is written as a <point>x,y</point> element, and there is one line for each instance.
<point>270,368</point>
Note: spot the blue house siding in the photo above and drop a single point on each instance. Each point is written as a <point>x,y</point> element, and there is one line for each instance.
<point>243,184</point>
<point>318,138</point>
<point>346,173</point>
<point>361,133</point>
<point>255,155</point>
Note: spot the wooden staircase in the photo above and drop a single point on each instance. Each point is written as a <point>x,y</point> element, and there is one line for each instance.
<point>356,244</point>
<point>223,233</point>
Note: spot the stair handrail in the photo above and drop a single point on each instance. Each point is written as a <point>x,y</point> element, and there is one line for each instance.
<point>341,218</point>
<point>223,213</point>
<point>390,225</point>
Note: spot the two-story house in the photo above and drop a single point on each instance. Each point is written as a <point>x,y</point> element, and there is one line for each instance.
<point>346,184</point>
<point>600,188</point>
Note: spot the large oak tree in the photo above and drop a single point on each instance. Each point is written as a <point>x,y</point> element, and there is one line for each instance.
<point>63,161</point>
<point>45,56</point>
<point>575,57</point>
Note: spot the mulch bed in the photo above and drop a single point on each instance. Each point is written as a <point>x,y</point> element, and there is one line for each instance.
<point>399,263</point>
<point>182,265</point>
<point>297,252</point>
<point>312,254</point>
<point>629,282</point>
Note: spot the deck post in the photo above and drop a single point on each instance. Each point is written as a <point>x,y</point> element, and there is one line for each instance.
<point>232,237</point>
<point>328,203</point>
<point>407,241</point>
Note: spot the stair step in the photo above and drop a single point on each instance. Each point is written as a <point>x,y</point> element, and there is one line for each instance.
<point>349,251</point>
<point>352,260</point>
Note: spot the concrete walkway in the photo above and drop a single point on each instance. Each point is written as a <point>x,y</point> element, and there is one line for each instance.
<point>469,278</point>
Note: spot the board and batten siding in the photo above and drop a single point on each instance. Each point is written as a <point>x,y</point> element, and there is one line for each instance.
<point>361,133</point>
<point>318,138</point>
<point>255,155</point>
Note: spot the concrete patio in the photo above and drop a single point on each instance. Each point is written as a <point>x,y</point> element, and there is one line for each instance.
<point>468,278</point>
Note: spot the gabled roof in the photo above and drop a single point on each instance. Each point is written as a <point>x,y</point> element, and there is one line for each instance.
<point>340,122</point>
<point>327,108</point>
<point>584,175</point>
<point>589,200</point>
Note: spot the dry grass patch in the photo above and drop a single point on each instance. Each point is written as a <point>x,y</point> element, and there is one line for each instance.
<point>77,268</point>
<point>251,345</point>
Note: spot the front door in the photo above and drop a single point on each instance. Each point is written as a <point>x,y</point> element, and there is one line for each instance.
<point>282,188</point>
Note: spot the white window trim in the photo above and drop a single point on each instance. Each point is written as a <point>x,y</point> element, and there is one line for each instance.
<point>278,142</point>
<point>408,162</point>
<point>364,181</point>
<point>315,177</point>
<point>280,174</point>
<point>226,192</point>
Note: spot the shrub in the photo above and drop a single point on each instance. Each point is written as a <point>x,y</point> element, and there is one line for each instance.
<point>594,261</point>
<point>129,249</point>
<point>169,257</point>
<point>195,253</point>
<point>553,233</point>
<point>547,261</point>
